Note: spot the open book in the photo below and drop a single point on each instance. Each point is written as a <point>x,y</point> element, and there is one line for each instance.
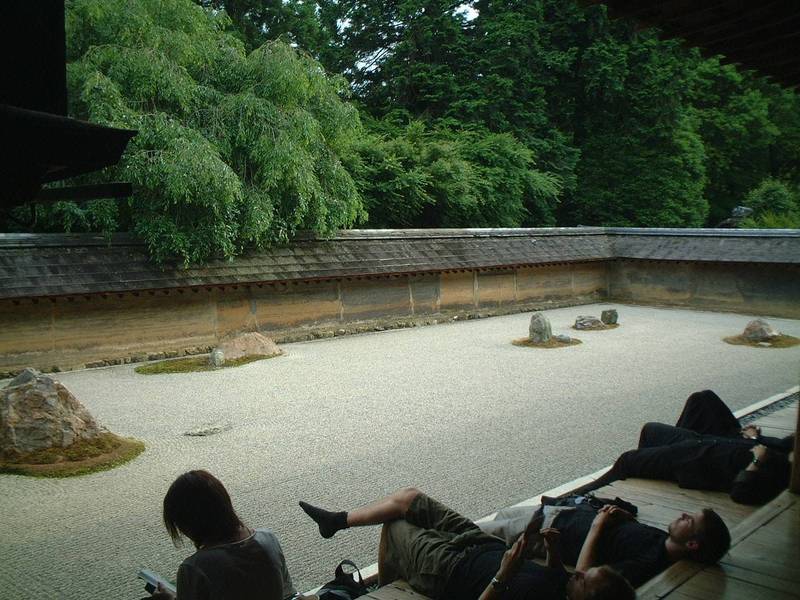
<point>153,579</point>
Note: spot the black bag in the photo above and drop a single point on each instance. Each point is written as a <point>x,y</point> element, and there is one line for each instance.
<point>344,585</point>
<point>590,499</point>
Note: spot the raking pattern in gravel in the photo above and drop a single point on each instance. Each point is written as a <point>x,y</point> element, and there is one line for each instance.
<point>455,409</point>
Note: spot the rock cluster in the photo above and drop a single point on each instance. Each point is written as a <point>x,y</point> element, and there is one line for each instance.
<point>539,330</point>
<point>588,322</point>
<point>37,412</point>
<point>610,316</point>
<point>242,345</point>
<point>758,330</point>
<point>216,358</point>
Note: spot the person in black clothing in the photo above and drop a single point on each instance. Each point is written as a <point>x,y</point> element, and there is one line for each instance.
<point>707,449</point>
<point>446,556</point>
<point>608,534</point>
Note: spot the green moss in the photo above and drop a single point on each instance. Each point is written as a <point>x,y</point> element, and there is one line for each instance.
<point>781,341</point>
<point>551,343</point>
<point>194,364</point>
<point>84,456</point>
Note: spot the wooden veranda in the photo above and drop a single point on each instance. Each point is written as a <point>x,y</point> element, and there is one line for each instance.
<point>761,563</point>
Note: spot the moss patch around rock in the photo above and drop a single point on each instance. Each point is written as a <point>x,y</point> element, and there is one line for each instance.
<point>603,328</point>
<point>551,343</point>
<point>194,364</point>
<point>106,451</point>
<point>781,341</point>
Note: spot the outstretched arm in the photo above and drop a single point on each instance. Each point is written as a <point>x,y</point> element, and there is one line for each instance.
<point>590,551</point>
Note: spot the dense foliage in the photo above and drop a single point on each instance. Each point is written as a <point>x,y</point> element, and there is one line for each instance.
<point>234,150</point>
<point>257,118</point>
<point>639,131</point>
<point>419,177</point>
<point>775,205</point>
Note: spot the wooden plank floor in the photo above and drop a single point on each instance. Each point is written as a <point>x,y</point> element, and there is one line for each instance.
<point>760,565</point>
<point>765,545</point>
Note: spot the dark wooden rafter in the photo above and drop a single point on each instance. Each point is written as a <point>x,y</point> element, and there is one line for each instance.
<point>776,59</point>
<point>715,23</point>
<point>755,35</point>
<point>766,34</point>
<point>79,193</point>
<point>643,11</point>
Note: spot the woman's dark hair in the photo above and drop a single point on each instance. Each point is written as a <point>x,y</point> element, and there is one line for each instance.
<point>198,506</point>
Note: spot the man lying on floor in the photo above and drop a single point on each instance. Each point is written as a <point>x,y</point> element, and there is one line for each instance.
<point>446,556</point>
<point>708,450</point>
<point>609,534</point>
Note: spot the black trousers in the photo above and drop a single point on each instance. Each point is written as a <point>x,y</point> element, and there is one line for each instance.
<point>675,453</point>
<point>705,413</point>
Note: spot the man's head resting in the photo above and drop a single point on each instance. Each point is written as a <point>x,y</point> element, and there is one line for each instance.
<point>703,536</point>
<point>599,583</point>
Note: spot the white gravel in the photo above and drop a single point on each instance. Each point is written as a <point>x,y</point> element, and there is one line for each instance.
<point>453,408</point>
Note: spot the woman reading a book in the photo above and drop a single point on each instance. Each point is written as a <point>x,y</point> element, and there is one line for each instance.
<point>232,561</point>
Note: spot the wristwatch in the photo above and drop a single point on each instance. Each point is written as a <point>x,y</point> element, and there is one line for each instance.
<point>500,586</point>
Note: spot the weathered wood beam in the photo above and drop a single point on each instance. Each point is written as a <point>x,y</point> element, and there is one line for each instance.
<point>765,33</point>
<point>716,23</point>
<point>667,10</point>
<point>767,57</point>
<point>78,193</point>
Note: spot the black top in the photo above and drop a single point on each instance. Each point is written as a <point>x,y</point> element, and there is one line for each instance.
<point>475,571</point>
<point>637,551</point>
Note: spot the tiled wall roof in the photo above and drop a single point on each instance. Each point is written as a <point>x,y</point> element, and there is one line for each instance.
<point>707,245</point>
<point>40,265</point>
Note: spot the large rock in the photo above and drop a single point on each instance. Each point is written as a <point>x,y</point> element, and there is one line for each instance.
<point>248,344</point>
<point>37,412</point>
<point>758,330</point>
<point>610,316</point>
<point>588,322</point>
<point>539,331</point>
<point>216,358</point>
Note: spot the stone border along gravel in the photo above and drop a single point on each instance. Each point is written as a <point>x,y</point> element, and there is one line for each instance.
<point>745,415</point>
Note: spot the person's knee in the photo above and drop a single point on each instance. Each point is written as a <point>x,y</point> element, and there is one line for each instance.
<point>622,464</point>
<point>647,432</point>
<point>405,496</point>
<point>702,397</point>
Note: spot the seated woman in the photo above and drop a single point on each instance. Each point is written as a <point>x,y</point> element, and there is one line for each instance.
<point>707,449</point>
<point>232,561</point>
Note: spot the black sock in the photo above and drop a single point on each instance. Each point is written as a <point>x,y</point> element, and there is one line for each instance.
<point>329,522</point>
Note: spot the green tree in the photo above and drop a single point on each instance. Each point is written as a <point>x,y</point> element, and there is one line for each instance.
<point>774,196</point>
<point>521,78</point>
<point>642,162</point>
<point>733,120</point>
<point>443,177</point>
<point>259,21</point>
<point>771,220</point>
<point>234,150</point>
